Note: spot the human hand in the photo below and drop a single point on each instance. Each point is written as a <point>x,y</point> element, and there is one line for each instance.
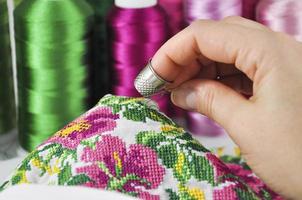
<point>267,126</point>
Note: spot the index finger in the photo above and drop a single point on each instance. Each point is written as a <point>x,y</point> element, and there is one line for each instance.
<point>211,40</point>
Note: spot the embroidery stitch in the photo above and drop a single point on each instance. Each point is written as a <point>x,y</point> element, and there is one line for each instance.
<point>160,161</point>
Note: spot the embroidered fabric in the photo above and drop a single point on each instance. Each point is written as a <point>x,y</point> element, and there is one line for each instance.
<point>126,145</point>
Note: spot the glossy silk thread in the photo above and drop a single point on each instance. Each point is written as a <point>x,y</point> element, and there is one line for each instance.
<point>249,9</point>
<point>215,10</point>
<point>99,76</point>
<point>282,16</point>
<point>175,14</point>
<point>134,37</point>
<point>7,99</point>
<point>211,9</point>
<point>52,40</point>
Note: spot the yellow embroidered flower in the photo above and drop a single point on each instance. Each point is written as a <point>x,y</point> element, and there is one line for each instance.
<point>133,100</point>
<point>194,193</point>
<point>237,151</point>
<point>37,163</point>
<point>117,159</point>
<point>78,126</point>
<point>220,151</point>
<point>167,128</point>
<point>180,163</point>
<point>54,170</point>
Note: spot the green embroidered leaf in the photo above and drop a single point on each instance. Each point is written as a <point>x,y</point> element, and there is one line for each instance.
<point>195,145</point>
<point>3,186</point>
<point>181,169</point>
<point>172,195</point>
<point>157,116</point>
<point>168,154</point>
<point>230,159</point>
<point>65,175</point>
<point>16,179</point>
<point>150,139</point>
<point>246,195</point>
<point>201,169</point>
<point>79,180</point>
<point>186,136</point>
<point>25,163</point>
<point>133,115</point>
<point>266,195</point>
<point>88,143</point>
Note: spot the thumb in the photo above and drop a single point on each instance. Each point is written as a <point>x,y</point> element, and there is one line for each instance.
<point>213,99</point>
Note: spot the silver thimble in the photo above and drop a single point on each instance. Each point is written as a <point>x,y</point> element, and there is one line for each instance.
<point>148,82</point>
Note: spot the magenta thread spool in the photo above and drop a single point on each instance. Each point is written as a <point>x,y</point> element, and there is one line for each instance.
<point>136,30</point>
<point>249,9</point>
<point>175,14</point>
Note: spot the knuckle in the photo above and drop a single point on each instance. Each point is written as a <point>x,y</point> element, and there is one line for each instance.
<point>196,24</point>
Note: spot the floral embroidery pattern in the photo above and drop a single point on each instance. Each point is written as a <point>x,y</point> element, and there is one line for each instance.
<point>114,168</point>
<point>126,145</point>
<point>97,121</point>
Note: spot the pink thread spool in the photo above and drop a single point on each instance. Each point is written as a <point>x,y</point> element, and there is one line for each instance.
<point>282,16</point>
<point>249,9</point>
<point>137,29</point>
<point>211,9</point>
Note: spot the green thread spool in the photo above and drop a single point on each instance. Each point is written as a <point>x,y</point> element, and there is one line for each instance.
<point>52,47</point>
<point>7,98</point>
<point>100,76</point>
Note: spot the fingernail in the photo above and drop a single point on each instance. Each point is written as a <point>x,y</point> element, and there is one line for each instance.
<point>184,98</point>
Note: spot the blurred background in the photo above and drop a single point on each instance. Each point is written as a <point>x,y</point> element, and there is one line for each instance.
<point>58,58</point>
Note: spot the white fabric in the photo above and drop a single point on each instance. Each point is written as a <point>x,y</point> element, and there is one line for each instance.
<point>38,192</point>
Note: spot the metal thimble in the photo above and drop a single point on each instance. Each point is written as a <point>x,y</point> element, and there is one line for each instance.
<point>148,82</point>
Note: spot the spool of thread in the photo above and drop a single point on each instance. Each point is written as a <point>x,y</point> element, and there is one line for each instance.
<point>136,30</point>
<point>249,9</point>
<point>202,125</point>
<point>7,98</point>
<point>175,14</point>
<point>99,76</point>
<point>17,2</point>
<point>282,16</point>
<point>214,10</point>
<point>211,9</point>
<point>52,40</point>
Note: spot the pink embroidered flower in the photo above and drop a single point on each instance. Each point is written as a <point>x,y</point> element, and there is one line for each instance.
<point>226,193</point>
<point>220,168</point>
<point>115,168</point>
<point>241,176</point>
<point>97,121</point>
<point>251,180</point>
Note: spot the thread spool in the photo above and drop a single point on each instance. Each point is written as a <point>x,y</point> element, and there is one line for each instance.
<point>282,16</point>
<point>7,98</point>
<point>214,10</point>
<point>100,72</point>
<point>211,9</point>
<point>175,14</point>
<point>249,9</point>
<point>136,31</point>
<point>52,40</point>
